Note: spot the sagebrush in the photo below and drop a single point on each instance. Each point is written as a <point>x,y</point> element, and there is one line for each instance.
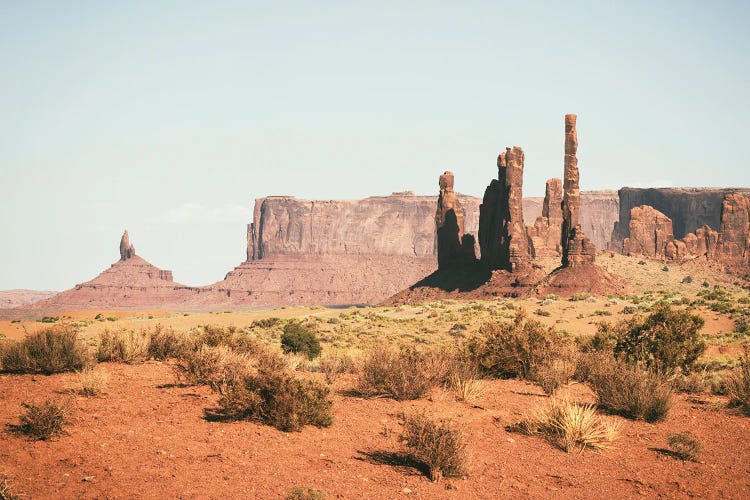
<point>50,350</point>
<point>437,443</point>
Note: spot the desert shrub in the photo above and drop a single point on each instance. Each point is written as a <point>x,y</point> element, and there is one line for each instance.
<point>334,363</point>
<point>629,310</point>
<point>51,350</point>
<point>542,312</point>
<point>466,384</point>
<point>570,426</point>
<point>687,279</point>
<point>737,383</point>
<point>303,493</point>
<point>665,340</point>
<point>402,374</point>
<point>7,490</point>
<point>629,390</point>
<point>578,296</point>
<point>742,324</point>
<point>274,396</point>
<point>214,366</point>
<point>553,374</point>
<point>517,348</point>
<point>299,340</point>
<point>437,443</point>
<point>45,420</point>
<point>265,322</point>
<point>91,382</point>
<point>125,346</point>
<point>684,445</point>
<point>166,343</point>
<point>213,336</point>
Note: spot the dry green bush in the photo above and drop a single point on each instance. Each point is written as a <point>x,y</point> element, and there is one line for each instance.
<point>684,445</point>
<point>737,383</point>
<point>124,346</point>
<point>214,366</point>
<point>91,382</point>
<point>45,420</point>
<point>271,394</point>
<point>631,391</point>
<point>402,374</point>
<point>437,443</point>
<point>570,426</point>
<point>52,350</point>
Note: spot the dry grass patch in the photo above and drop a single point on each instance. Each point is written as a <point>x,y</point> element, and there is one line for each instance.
<point>7,490</point>
<point>570,426</point>
<point>215,366</point>
<point>467,388</point>
<point>91,382</point>
<point>738,384</point>
<point>437,443</point>
<point>125,346</point>
<point>684,445</point>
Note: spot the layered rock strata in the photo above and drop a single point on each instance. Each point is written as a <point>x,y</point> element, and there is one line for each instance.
<point>734,232</point>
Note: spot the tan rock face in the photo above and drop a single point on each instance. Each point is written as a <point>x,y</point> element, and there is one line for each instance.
<point>650,230</point>
<point>502,233</point>
<point>576,248</point>
<point>127,250</point>
<point>734,232</point>
<point>545,233</point>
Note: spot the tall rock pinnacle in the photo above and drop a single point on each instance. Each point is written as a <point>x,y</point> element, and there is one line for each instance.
<point>449,222</point>
<point>576,248</point>
<point>126,249</point>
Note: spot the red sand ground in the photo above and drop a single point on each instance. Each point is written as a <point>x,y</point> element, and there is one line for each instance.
<point>147,438</point>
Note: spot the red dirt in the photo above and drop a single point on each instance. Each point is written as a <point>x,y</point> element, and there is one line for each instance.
<point>148,438</point>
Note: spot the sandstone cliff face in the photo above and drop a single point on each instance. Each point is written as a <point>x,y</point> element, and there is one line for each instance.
<point>545,233</point>
<point>20,298</point>
<point>650,230</point>
<point>689,208</point>
<point>734,232</point>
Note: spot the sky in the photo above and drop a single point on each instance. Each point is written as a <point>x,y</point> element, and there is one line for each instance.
<point>169,118</point>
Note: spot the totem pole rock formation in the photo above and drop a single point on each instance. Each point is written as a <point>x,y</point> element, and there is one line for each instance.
<point>545,233</point>
<point>502,234</point>
<point>449,222</point>
<point>576,248</point>
<point>650,231</point>
<point>127,250</point>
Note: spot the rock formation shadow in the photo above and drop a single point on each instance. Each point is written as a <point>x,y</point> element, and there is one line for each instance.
<point>457,276</point>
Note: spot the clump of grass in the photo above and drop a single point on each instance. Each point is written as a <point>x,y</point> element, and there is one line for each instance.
<point>44,421</point>
<point>51,350</point>
<point>630,391</point>
<point>334,363</point>
<point>684,445</point>
<point>304,493</point>
<point>274,396</point>
<point>467,387</point>
<point>437,443</point>
<point>737,383</point>
<point>125,346</point>
<point>402,374</point>
<point>91,382</point>
<point>570,426</point>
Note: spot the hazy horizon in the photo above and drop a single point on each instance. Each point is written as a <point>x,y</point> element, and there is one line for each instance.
<point>169,119</point>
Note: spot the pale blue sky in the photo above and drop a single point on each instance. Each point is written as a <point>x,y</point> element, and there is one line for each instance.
<point>169,118</point>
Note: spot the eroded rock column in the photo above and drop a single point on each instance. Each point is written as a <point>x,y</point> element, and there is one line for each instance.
<point>449,222</point>
<point>127,250</point>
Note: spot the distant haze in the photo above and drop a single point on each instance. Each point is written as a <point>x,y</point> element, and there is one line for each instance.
<point>169,118</point>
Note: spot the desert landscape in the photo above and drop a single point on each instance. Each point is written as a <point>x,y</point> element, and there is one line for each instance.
<point>206,290</point>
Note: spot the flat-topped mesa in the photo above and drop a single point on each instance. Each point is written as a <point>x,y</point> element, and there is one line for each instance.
<point>127,250</point>
<point>650,231</point>
<point>449,223</point>
<point>502,234</point>
<point>545,233</point>
<point>576,248</point>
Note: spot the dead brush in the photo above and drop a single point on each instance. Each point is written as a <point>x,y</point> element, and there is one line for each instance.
<point>334,363</point>
<point>46,420</point>
<point>468,387</point>
<point>214,366</point>
<point>124,346</point>
<point>91,382</point>
<point>402,374</point>
<point>51,350</point>
<point>552,375</point>
<point>569,425</point>
<point>7,491</point>
<point>684,445</point>
<point>738,383</point>
<point>437,443</point>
